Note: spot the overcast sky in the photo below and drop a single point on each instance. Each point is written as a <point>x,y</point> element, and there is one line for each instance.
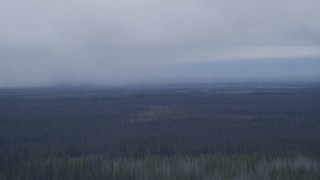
<point>43,42</point>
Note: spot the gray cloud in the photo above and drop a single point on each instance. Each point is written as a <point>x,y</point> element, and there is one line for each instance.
<point>44,41</point>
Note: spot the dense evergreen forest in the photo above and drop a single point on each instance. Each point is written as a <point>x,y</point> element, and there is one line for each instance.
<point>214,131</point>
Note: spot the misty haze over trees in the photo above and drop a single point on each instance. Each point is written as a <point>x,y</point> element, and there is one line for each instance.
<point>108,43</point>
<point>159,89</point>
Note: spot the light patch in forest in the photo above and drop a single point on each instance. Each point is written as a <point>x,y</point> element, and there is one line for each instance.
<point>153,113</point>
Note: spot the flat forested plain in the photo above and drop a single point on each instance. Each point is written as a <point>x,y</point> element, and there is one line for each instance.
<point>208,131</point>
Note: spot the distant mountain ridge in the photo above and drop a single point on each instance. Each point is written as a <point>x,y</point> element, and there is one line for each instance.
<point>264,69</point>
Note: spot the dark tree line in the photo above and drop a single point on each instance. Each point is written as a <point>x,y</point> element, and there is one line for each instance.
<point>42,123</point>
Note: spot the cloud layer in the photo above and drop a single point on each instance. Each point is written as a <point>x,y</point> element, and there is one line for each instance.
<point>44,42</point>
